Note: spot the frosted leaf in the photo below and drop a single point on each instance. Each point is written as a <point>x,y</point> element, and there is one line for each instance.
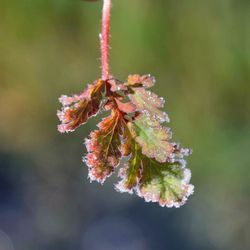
<point>68,100</point>
<point>153,138</point>
<point>116,85</point>
<point>126,107</point>
<point>128,181</point>
<point>104,147</point>
<point>166,183</point>
<point>131,172</point>
<point>77,109</point>
<point>149,104</point>
<point>147,81</point>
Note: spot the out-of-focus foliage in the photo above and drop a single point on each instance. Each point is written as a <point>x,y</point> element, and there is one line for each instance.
<point>200,53</point>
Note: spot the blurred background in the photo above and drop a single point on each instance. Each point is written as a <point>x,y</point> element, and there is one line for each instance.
<point>199,52</point>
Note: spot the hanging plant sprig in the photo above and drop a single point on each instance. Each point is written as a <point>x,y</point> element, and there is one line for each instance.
<point>155,168</point>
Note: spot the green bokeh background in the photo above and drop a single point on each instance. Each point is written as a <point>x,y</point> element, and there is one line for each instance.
<point>199,52</point>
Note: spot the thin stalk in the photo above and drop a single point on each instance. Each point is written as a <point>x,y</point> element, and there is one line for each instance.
<point>104,38</point>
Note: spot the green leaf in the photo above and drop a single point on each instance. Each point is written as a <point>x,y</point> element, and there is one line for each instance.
<point>166,183</point>
<point>149,103</point>
<point>152,137</point>
<point>130,172</point>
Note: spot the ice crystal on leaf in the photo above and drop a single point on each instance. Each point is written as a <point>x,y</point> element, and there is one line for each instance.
<point>166,183</point>
<point>78,109</point>
<point>144,100</point>
<point>155,168</point>
<point>104,147</point>
<point>153,138</point>
<point>146,81</point>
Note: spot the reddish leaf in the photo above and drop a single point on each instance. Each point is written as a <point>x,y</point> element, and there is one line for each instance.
<point>127,107</point>
<point>104,147</point>
<point>116,85</point>
<point>136,80</point>
<point>78,109</point>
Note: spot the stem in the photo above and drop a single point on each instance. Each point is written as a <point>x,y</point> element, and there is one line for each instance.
<point>104,38</point>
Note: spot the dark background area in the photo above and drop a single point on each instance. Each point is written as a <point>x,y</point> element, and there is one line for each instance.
<point>199,52</point>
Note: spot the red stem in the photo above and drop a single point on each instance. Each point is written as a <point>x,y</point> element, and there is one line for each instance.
<point>104,38</point>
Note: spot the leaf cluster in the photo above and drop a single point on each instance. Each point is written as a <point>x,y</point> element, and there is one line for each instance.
<point>155,168</point>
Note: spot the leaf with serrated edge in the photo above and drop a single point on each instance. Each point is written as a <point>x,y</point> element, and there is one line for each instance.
<point>104,147</point>
<point>130,172</point>
<point>166,183</point>
<point>149,104</point>
<point>146,81</point>
<point>78,109</point>
<point>153,138</point>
